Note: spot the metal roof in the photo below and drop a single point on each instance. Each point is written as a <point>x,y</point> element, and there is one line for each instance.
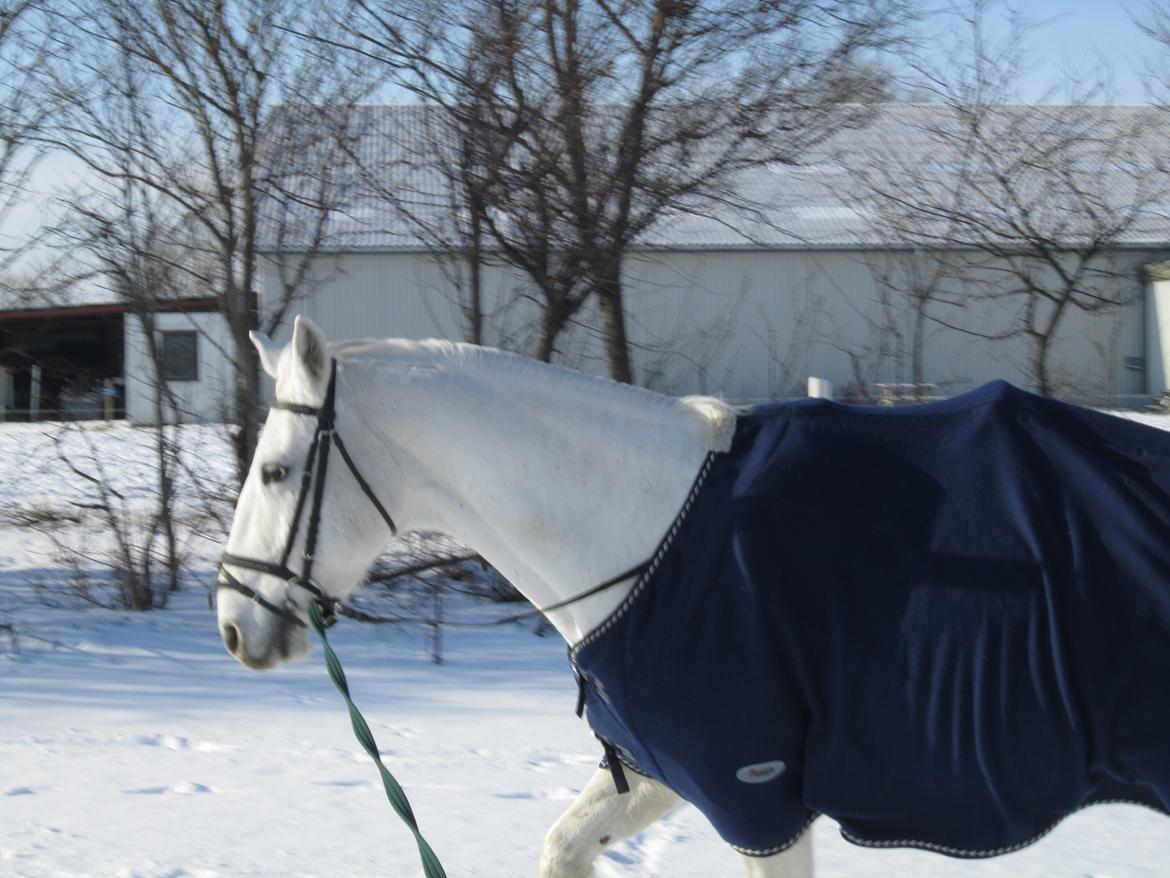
<point>819,203</point>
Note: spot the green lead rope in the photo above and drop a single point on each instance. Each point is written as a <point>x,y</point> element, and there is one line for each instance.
<point>361,730</point>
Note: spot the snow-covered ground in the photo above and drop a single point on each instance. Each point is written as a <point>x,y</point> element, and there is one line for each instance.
<point>131,745</point>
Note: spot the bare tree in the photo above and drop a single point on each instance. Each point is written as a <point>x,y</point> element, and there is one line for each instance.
<point>607,118</point>
<point>453,229</point>
<point>23,111</point>
<point>918,291</point>
<point>1038,202</point>
<point>493,204</point>
<point>131,557</point>
<point>132,244</point>
<point>128,242</point>
<point>789,354</point>
<point>445,168</point>
<point>131,239</point>
<point>1153,18</point>
<point>218,93</point>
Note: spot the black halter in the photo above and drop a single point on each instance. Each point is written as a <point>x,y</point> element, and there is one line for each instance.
<point>324,439</point>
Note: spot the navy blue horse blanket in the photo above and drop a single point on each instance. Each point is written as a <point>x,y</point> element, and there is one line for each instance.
<point>945,625</point>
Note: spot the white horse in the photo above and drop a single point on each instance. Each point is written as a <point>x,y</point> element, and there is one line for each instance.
<point>559,480</point>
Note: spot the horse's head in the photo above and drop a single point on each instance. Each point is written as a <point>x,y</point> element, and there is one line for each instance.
<point>303,529</point>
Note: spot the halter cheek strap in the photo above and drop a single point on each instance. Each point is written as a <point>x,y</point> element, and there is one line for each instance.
<point>324,439</point>
<point>317,460</point>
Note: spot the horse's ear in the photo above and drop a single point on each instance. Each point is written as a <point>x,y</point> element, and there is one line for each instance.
<point>309,348</point>
<point>268,351</point>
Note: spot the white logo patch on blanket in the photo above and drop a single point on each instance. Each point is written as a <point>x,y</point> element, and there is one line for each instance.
<point>761,772</point>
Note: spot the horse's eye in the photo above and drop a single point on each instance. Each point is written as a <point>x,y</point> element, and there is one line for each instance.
<point>273,472</point>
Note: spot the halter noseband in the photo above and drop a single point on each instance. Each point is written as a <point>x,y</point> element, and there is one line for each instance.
<point>324,439</point>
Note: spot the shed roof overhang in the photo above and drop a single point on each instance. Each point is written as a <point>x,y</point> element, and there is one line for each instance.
<point>101,310</point>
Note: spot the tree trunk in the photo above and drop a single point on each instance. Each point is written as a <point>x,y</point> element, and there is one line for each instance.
<point>1044,339</point>
<point>613,322</point>
<point>247,401</point>
<point>552,321</point>
<point>917,343</point>
<point>166,490</point>
<point>1043,345</point>
<point>437,624</point>
<point>165,457</point>
<point>475,268</point>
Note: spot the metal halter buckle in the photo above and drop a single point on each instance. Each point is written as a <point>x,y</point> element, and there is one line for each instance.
<point>329,612</point>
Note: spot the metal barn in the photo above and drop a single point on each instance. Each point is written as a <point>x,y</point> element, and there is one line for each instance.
<point>746,307</point>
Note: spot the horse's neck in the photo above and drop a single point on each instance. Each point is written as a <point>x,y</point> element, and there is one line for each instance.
<point>559,481</point>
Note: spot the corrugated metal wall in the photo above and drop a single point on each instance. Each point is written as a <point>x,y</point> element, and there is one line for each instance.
<point>751,325</point>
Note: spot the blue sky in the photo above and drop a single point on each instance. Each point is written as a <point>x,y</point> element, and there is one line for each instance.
<point>1076,32</point>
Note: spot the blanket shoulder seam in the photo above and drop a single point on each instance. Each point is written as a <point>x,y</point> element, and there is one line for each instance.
<point>652,567</point>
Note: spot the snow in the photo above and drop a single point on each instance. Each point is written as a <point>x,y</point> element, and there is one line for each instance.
<point>132,746</point>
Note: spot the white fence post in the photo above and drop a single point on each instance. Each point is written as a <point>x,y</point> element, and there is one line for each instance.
<point>820,388</point>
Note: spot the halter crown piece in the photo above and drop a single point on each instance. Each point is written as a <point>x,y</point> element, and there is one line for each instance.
<point>324,439</point>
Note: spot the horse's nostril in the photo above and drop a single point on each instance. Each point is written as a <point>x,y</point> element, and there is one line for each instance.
<point>231,638</point>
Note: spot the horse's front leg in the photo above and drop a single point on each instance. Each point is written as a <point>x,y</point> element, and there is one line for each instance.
<point>795,862</point>
<point>600,817</point>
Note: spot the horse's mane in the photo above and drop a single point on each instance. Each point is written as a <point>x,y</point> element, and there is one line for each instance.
<point>529,374</point>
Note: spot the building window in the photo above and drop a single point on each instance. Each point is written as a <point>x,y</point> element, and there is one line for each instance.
<point>180,354</point>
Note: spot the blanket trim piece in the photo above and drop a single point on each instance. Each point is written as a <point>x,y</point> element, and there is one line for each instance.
<point>930,846</point>
<point>780,848</point>
<point>987,853</point>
